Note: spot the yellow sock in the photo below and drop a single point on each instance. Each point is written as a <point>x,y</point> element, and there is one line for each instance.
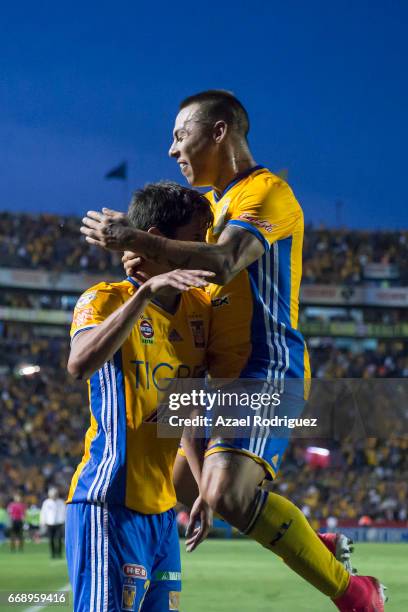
<point>282,528</point>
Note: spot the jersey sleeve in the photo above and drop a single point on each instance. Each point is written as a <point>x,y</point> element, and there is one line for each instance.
<point>268,209</point>
<point>93,307</point>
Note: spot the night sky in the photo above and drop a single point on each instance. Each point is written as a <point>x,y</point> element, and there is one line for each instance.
<point>85,86</point>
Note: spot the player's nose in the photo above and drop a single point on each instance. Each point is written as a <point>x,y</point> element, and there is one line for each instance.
<point>173,151</point>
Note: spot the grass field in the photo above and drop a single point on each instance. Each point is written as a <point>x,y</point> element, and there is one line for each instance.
<point>225,576</point>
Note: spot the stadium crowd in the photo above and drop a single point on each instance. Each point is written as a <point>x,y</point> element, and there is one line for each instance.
<point>45,415</point>
<point>339,256</point>
<point>51,242</point>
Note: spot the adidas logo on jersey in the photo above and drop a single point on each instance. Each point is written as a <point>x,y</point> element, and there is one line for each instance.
<point>174,336</point>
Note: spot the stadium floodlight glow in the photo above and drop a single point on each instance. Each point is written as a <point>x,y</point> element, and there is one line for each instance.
<point>28,370</point>
<point>317,450</point>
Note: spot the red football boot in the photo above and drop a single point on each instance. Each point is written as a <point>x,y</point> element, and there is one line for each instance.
<point>341,547</point>
<point>363,594</point>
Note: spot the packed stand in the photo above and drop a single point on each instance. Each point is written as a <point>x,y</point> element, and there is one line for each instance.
<point>45,416</point>
<point>54,243</point>
<point>50,242</point>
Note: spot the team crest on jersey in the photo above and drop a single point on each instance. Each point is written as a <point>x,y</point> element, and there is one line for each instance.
<point>174,600</point>
<point>146,331</point>
<point>128,596</point>
<point>85,299</point>
<point>174,336</point>
<point>219,225</point>
<point>197,328</point>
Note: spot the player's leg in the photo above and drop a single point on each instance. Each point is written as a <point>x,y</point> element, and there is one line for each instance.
<point>20,536</point>
<point>231,486</point>
<point>51,537</point>
<point>164,590</point>
<point>59,535</point>
<point>184,482</point>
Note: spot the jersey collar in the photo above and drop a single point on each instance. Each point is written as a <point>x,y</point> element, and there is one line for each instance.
<point>236,180</point>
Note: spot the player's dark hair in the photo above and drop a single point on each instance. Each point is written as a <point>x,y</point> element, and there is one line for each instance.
<point>217,105</point>
<point>167,206</point>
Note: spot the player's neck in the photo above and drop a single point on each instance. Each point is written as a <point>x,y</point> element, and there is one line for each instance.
<point>234,163</point>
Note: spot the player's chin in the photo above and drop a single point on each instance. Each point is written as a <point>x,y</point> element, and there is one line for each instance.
<point>190,178</point>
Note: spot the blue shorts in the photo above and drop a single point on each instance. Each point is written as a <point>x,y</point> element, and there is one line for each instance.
<point>264,442</point>
<point>119,559</point>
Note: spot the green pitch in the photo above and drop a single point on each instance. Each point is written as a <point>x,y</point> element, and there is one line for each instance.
<point>225,576</point>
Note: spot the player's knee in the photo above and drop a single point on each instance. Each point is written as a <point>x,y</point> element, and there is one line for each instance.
<point>226,502</point>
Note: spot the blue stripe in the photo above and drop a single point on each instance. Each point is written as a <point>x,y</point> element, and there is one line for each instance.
<point>284,281</point>
<point>257,366</point>
<point>117,488</point>
<point>254,230</point>
<point>89,471</point>
<point>78,331</point>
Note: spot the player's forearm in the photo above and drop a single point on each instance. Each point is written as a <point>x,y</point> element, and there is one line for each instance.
<point>94,347</point>
<point>175,254</point>
<point>194,454</point>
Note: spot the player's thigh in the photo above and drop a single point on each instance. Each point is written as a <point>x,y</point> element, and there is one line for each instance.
<point>230,482</point>
<point>184,482</point>
<point>165,586</point>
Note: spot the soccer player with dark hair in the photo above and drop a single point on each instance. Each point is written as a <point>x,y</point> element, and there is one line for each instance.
<point>129,339</point>
<point>255,250</point>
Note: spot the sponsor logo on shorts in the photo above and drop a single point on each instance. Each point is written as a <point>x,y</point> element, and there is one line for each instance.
<point>134,571</point>
<point>147,331</point>
<point>128,596</point>
<point>167,576</point>
<point>174,600</point>
<point>85,299</point>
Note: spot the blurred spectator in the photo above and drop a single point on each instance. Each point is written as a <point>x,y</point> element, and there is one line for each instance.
<point>16,511</point>
<point>4,522</point>
<point>33,522</point>
<point>53,518</point>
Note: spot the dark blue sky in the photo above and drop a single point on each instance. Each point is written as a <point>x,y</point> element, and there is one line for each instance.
<point>87,84</point>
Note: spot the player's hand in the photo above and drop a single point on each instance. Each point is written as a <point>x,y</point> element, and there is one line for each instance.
<point>108,229</point>
<point>131,263</point>
<point>199,525</point>
<point>176,281</point>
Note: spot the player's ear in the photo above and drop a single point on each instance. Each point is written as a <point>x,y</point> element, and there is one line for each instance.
<point>155,230</point>
<point>219,131</point>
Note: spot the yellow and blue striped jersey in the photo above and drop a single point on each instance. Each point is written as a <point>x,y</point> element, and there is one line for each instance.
<point>125,462</point>
<point>257,312</point>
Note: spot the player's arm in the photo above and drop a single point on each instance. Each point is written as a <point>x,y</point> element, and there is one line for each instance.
<point>235,250</point>
<point>201,515</point>
<point>91,348</point>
